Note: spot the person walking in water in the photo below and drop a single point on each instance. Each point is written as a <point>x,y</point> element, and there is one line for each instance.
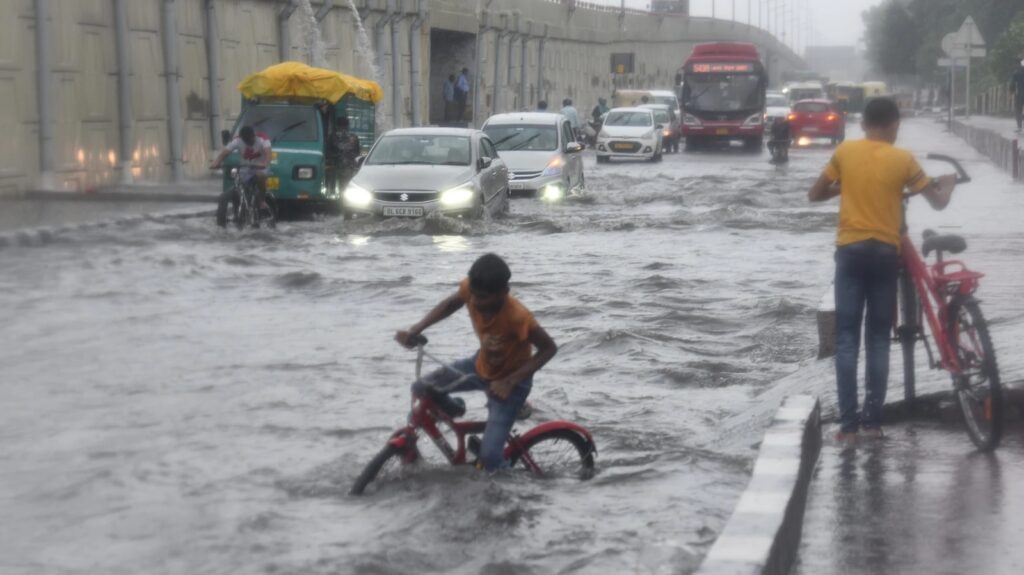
<point>448,93</point>
<point>1017,87</point>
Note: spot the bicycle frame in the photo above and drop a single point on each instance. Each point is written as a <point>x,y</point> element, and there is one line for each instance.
<point>934,287</point>
<point>426,415</point>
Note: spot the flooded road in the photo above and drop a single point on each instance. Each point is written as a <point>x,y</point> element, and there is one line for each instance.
<point>180,399</point>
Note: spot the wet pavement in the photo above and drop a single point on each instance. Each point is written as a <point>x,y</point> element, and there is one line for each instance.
<point>922,500</point>
<point>183,399</point>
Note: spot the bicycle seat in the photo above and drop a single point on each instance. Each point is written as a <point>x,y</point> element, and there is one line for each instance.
<point>942,243</point>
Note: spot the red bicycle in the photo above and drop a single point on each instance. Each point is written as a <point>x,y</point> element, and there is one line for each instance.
<point>550,450</point>
<point>943,294</point>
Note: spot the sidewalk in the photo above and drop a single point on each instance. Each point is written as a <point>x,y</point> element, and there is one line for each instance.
<point>41,210</point>
<point>924,500</point>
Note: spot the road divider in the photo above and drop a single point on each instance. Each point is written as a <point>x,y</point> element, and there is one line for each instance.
<point>763,534</point>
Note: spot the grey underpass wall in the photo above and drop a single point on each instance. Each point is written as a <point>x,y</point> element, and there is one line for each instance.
<point>578,43</point>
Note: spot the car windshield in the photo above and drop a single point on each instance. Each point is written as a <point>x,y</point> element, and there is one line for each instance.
<point>427,149</point>
<point>521,137</point>
<point>778,102</point>
<point>811,107</point>
<point>722,92</point>
<point>282,123</point>
<point>632,119</point>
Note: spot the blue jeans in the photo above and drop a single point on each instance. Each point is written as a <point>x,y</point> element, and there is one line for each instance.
<point>866,273</point>
<point>501,413</point>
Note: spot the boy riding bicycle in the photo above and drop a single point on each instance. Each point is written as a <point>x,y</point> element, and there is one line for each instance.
<point>869,176</point>
<point>505,364</point>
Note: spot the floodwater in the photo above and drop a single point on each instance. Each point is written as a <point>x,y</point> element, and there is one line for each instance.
<point>180,399</point>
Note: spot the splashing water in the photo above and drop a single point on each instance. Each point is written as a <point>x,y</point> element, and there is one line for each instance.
<point>369,59</point>
<point>314,45</point>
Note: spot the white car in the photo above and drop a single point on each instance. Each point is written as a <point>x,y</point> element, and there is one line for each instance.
<point>630,134</point>
<point>543,157</point>
<point>776,107</point>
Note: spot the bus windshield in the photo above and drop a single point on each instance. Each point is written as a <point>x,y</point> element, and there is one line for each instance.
<point>722,92</point>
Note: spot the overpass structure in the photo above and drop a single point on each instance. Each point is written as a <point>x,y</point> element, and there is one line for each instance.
<point>97,92</point>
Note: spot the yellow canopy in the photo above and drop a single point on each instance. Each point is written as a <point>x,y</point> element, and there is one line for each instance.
<point>295,79</point>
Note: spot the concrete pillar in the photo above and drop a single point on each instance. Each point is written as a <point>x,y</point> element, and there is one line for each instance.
<point>415,55</point>
<point>174,127</point>
<point>540,64</point>
<point>124,92</point>
<point>396,63</point>
<point>284,31</point>
<point>44,93</point>
<point>495,102</point>
<point>213,70</point>
<point>523,43</point>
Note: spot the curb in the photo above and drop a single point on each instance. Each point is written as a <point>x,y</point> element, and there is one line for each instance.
<point>1003,151</point>
<point>31,237</point>
<point>763,534</point>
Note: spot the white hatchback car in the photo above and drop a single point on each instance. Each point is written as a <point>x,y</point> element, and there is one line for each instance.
<point>542,156</point>
<point>630,133</point>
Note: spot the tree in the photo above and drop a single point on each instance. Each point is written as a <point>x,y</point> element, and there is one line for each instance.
<point>893,38</point>
<point>1008,50</point>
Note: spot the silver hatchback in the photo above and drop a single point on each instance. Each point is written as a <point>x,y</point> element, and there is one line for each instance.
<point>413,172</point>
<point>542,154</point>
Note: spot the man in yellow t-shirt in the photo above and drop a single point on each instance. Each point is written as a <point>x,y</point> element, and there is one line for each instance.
<point>869,177</point>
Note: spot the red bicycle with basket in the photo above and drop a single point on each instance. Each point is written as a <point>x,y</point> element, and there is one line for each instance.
<point>943,295</point>
<point>549,450</point>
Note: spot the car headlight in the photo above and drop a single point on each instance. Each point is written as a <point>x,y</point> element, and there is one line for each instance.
<point>459,196</point>
<point>552,193</point>
<point>357,197</point>
<point>234,172</point>
<point>554,167</point>
<point>647,135</point>
<point>666,132</point>
<point>754,120</point>
<point>691,120</point>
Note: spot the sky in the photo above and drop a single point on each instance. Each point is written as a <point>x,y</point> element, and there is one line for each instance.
<point>833,22</point>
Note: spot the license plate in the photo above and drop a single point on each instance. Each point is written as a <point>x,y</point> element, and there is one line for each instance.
<point>273,183</point>
<point>516,186</point>
<point>722,132</point>
<point>810,129</point>
<point>623,146</point>
<point>402,211</point>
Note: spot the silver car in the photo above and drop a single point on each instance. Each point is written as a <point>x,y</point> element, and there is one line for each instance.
<point>542,155</point>
<point>414,172</point>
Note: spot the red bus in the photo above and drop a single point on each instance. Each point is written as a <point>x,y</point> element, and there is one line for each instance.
<point>723,94</point>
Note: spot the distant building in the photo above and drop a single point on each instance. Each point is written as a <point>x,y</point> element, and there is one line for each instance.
<point>836,63</point>
<point>672,6</point>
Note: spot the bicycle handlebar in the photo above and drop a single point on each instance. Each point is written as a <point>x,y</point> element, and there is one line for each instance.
<point>418,340</point>
<point>961,173</point>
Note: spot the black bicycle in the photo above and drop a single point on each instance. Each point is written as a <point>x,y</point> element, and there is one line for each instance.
<point>245,211</point>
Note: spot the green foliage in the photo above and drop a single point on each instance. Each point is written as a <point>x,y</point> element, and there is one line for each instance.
<point>1008,50</point>
<point>904,36</point>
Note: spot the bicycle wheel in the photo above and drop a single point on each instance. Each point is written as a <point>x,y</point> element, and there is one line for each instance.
<point>385,465</point>
<point>242,215</point>
<point>558,453</point>
<point>908,331</point>
<point>268,215</point>
<point>977,387</point>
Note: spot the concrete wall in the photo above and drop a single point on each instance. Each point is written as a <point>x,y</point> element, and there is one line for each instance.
<point>83,69</point>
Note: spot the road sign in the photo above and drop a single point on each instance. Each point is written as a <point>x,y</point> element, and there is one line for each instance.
<point>951,62</point>
<point>955,45</point>
<point>970,34</point>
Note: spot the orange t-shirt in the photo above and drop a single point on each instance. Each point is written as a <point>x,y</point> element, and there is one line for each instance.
<point>504,338</point>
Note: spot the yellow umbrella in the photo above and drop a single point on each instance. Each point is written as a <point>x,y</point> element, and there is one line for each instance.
<point>297,80</point>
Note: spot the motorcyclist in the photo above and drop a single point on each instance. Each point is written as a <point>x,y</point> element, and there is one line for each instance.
<point>778,144</point>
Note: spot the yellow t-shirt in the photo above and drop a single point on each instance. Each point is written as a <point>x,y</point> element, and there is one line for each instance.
<point>871,176</point>
<point>504,338</point>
